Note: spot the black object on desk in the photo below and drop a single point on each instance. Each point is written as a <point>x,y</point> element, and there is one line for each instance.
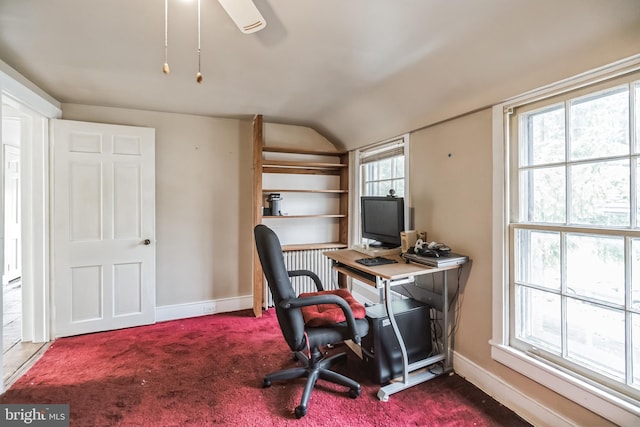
<point>372,262</point>
<point>380,348</point>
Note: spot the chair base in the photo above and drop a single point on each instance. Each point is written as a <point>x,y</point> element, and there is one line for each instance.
<point>314,368</point>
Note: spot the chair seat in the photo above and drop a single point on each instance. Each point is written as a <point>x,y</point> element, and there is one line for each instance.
<point>321,336</point>
<point>329,314</point>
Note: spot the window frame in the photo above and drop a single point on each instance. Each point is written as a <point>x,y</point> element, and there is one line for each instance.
<point>608,405</point>
<point>358,183</point>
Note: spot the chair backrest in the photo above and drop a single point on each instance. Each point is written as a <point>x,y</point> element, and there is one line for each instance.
<point>272,261</point>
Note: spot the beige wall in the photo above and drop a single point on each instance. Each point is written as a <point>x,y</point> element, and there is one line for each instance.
<point>203,197</point>
<point>451,191</point>
<point>203,201</point>
<point>203,214</point>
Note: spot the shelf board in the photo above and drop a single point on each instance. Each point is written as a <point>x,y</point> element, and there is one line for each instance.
<point>269,149</point>
<point>301,170</point>
<point>305,216</point>
<point>303,165</point>
<point>265,190</point>
<point>311,246</point>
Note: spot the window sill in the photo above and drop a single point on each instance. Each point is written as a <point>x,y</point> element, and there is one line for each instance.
<point>602,403</point>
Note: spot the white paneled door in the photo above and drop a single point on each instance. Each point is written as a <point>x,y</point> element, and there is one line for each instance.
<point>103,227</point>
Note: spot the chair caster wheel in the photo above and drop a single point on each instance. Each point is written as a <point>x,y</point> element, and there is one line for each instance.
<point>266,383</point>
<point>355,392</point>
<point>301,411</point>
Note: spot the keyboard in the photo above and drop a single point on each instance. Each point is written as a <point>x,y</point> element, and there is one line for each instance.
<point>372,262</point>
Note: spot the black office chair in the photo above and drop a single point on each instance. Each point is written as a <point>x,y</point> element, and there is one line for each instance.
<point>298,336</point>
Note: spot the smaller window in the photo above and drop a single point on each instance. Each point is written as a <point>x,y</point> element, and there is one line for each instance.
<point>382,169</point>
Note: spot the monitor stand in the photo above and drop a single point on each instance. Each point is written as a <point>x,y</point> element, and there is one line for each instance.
<point>376,250</point>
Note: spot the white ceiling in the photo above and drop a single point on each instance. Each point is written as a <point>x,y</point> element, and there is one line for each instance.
<point>358,71</point>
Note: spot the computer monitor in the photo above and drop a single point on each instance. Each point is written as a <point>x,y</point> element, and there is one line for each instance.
<point>382,220</point>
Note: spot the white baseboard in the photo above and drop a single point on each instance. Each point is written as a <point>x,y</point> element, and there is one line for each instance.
<point>514,399</point>
<point>202,308</point>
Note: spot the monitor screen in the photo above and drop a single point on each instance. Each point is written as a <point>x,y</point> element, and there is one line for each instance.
<point>382,219</point>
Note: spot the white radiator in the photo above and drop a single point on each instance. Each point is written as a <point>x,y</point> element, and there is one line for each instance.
<point>312,260</point>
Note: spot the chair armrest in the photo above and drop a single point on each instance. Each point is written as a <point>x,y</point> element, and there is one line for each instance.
<point>326,299</point>
<point>310,274</point>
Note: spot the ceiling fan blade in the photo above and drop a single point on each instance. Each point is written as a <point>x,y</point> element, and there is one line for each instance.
<point>245,14</point>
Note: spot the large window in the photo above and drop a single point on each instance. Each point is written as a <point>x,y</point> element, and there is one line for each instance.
<point>572,236</point>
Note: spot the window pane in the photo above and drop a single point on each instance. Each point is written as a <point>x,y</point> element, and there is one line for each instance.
<point>385,169</point>
<point>380,176</point>
<point>538,258</point>
<point>595,267</point>
<point>600,193</point>
<point>543,195</point>
<point>538,318</point>
<point>597,344</point>
<point>371,172</point>
<point>544,140</point>
<point>635,327</point>
<point>383,188</point>
<point>398,167</point>
<point>599,124</point>
<point>635,277</point>
<point>398,185</point>
<point>369,188</point>
<point>638,190</point>
<point>637,108</point>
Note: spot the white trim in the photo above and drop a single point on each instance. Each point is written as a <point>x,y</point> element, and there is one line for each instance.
<point>514,399</point>
<point>408,201</point>
<point>203,308</point>
<point>500,232</point>
<point>356,186</point>
<point>15,87</point>
<point>596,400</point>
<point>18,87</point>
<point>606,405</point>
<point>35,230</point>
<point>609,71</point>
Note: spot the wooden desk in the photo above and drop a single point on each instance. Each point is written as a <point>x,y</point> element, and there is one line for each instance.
<point>384,278</point>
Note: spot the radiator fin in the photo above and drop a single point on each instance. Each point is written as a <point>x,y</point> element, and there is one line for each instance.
<point>312,260</point>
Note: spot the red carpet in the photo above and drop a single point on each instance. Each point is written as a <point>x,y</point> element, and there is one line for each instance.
<point>208,371</point>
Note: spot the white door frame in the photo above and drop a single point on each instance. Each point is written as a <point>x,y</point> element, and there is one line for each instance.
<point>31,100</point>
<point>34,175</point>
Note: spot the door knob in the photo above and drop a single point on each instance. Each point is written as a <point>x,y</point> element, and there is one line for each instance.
<point>147,241</point>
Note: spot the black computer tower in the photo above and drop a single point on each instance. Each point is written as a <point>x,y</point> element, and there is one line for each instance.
<point>380,348</point>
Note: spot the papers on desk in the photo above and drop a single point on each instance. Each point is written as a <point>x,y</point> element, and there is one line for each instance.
<point>443,261</point>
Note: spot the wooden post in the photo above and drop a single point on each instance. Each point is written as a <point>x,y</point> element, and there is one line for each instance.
<point>258,291</point>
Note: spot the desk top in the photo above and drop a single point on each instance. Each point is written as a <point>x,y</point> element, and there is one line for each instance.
<point>399,270</point>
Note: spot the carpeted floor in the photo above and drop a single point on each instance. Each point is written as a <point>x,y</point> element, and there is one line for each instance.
<point>208,371</point>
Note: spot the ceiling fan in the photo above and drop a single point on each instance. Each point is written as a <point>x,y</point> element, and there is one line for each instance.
<point>244,14</point>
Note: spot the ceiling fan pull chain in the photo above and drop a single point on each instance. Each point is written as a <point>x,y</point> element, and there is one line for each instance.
<point>165,66</point>
<point>199,74</point>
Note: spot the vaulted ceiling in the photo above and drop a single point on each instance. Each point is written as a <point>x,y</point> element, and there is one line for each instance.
<point>358,71</point>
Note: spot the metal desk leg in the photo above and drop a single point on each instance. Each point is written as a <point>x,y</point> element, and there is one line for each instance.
<point>445,326</point>
<point>409,380</point>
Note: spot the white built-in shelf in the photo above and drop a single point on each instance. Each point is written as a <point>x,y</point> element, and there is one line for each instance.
<point>272,149</point>
<point>292,190</point>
